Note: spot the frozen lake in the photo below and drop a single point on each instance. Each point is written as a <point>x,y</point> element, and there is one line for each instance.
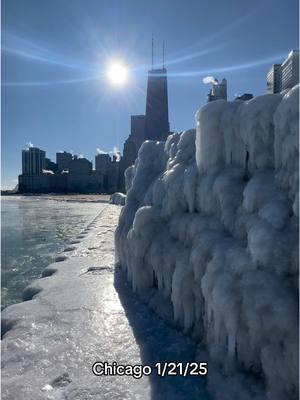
<point>33,231</point>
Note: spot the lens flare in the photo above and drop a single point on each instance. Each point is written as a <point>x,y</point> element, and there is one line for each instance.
<point>117,73</point>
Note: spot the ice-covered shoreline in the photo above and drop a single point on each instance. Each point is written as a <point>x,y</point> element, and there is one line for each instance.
<point>80,198</point>
<point>211,222</point>
<point>82,311</point>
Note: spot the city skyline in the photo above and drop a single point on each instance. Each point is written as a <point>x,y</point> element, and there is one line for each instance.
<point>70,173</point>
<point>83,115</point>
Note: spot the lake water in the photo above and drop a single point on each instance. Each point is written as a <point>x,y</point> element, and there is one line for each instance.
<point>33,231</point>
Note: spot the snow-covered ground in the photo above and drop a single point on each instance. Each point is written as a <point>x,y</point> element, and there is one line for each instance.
<point>211,221</point>
<point>83,311</point>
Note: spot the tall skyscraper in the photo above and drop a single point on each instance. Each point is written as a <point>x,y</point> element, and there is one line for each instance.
<point>290,70</point>
<point>284,76</point>
<point>157,114</point>
<point>63,160</point>
<point>102,162</point>
<point>154,125</point>
<point>137,130</point>
<point>274,79</point>
<point>134,141</point>
<point>33,161</point>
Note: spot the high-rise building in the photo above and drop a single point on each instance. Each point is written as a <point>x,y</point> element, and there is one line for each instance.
<point>157,115</point>
<point>63,160</point>
<point>290,70</point>
<point>137,134</point>
<point>102,162</point>
<point>50,165</point>
<point>80,166</point>
<point>218,91</point>
<point>102,166</point>
<point>33,161</point>
<point>130,152</point>
<point>114,180</point>
<point>274,79</point>
<point>134,141</point>
<point>284,76</point>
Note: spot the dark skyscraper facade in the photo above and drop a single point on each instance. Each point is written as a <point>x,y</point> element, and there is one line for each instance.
<point>33,161</point>
<point>157,114</point>
<point>135,140</point>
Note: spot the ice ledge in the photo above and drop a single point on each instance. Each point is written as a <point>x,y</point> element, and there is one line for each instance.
<point>64,325</point>
<point>53,294</point>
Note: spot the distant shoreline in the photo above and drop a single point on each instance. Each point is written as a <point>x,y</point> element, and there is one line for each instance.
<point>79,198</point>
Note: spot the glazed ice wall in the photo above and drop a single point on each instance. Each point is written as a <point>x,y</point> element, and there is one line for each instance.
<point>211,221</point>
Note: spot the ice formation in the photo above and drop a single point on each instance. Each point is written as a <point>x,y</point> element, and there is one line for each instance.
<point>118,199</point>
<point>211,221</point>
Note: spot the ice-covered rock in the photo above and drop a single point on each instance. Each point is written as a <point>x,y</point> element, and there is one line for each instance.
<point>118,199</point>
<point>211,221</point>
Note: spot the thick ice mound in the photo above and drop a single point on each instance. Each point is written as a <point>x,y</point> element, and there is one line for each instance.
<point>211,221</point>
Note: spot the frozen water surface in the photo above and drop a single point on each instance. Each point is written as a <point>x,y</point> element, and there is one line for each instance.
<point>33,230</point>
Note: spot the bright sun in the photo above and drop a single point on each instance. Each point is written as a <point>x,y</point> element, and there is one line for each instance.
<point>117,73</point>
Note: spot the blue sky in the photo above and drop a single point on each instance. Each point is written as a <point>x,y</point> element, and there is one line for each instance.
<point>55,93</point>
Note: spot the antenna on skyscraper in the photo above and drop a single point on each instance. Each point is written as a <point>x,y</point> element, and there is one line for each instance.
<point>152,52</point>
<point>163,55</point>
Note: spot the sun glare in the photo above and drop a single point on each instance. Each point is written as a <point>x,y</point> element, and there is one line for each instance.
<point>117,73</point>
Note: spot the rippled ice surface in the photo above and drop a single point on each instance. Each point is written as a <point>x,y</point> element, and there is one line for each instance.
<point>33,231</point>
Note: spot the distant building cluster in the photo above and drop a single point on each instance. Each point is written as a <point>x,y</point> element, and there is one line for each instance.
<point>69,174</point>
<point>72,174</point>
<point>218,90</point>
<point>284,76</point>
<point>279,78</point>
